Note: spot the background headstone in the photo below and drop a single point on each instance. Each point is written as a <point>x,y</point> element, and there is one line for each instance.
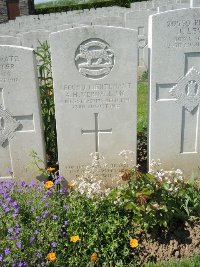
<point>9,40</point>
<point>21,130</point>
<point>139,20</point>
<point>33,39</point>
<point>95,83</point>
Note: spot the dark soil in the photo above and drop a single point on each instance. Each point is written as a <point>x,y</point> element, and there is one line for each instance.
<point>178,242</point>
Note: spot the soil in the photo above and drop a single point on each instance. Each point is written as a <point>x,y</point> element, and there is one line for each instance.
<point>178,242</point>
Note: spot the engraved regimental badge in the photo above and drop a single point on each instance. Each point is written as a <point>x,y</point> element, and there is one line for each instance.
<point>187,90</point>
<point>94,58</point>
<point>8,125</point>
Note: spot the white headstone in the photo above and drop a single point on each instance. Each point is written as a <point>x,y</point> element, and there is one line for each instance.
<point>108,21</point>
<point>94,70</point>
<point>63,27</point>
<point>175,89</point>
<point>9,40</point>
<point>20,115</point>
<point>33,39</point>
<point>139,20</point>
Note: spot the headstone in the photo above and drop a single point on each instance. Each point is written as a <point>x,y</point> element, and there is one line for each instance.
<point>175,89</point>
<point>139,20</point>
<point>95,96</point>
<point>63,27</point>
<point>20,115</point>
<point>33,39</point>
<point>9,40</point>
<point>109,21</point>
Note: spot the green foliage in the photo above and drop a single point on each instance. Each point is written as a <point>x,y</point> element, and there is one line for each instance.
<point>32,227</point>
<point>47,99</point>
<point>159,200</point>
<point>65,5</point>
<point>142,106</point>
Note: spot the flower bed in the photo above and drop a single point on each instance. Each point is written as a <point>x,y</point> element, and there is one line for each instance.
<point>48,225</point>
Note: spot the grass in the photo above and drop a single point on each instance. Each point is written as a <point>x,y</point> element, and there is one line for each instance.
<point>142,106</point>
<point>66,3</point>
<point>189,262</point>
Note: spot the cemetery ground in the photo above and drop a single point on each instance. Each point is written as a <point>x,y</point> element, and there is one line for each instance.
<point>148,218</point>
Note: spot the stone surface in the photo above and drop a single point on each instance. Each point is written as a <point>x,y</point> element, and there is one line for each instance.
<point>109,21</point>
<point>138,20</point>
<point>95,96</point>
<point>20,116</point>
<point>9,40</point>
<point>175,89</point>
<point>33,39</point>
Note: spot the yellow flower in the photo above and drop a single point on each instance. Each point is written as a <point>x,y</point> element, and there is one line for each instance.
<point>133,243</point>
<point>51,256</point>
<point>50,169</point>
<point>93,257</point>
<point>74,238</point>
<point>48,184</point>
<point>70,184</point>
<point>49,93</point>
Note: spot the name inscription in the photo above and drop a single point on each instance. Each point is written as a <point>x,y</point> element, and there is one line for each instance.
<point>186,33</point>
<point>101,96</point>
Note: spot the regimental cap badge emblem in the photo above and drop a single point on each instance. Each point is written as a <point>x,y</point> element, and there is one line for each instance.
<point>187,90</point>
<point>8,125</point>
<point>94,58</point>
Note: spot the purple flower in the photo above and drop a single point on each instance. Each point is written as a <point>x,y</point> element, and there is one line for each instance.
<point>42,263</point>
<point>32,239</point>
<point>14,204</point>
<point>17,230</point>
<point>46,204</point>
<point>1,257</point>
<point>45,213</point>
<point>38,255</point>
<point>66,207</point>
<point>8,199</point>
<point>10,230</point>
<point>6,251</point>
<point>50,192</point>
<point>54,217</point>
<point>32,184</point>
<point>38,218</point>
<point>23,183</point>
<point>66,222</point>
<point>53,244</point>
<point>36,232</point>
<point>19,244</point>
<point>20,264</point>
<point>32,209</point>
<point>7,209</point>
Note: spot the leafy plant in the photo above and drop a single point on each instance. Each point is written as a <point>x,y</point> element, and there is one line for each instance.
<point>159,199</point>
<point>47,99</point>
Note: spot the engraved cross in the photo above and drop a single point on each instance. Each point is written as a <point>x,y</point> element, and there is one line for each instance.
<point>186,92</point>
<point>96,132</point>
<point>9,125</point>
